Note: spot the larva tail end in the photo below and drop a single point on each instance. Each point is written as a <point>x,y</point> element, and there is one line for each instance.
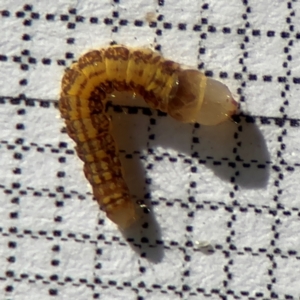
<point>218,104</point>
<point>200,99</point>
<point>124,215</point>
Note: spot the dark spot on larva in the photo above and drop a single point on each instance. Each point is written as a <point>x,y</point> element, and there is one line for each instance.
<point>117,53</point>
<point>169,67</point>
<point>91,57</point>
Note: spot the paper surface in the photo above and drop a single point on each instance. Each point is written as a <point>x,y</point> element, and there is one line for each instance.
<point>225,200</point>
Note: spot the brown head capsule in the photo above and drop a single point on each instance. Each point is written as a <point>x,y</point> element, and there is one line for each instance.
<point>187,95</point>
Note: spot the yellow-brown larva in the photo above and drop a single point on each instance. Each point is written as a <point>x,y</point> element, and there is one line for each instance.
<point>185,94</point>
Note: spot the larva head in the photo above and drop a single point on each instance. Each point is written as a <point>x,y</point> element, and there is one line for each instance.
<point>218,104</point>
<point>201,99</point>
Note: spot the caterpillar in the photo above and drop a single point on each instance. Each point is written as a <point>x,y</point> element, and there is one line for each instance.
<point>185,94</point>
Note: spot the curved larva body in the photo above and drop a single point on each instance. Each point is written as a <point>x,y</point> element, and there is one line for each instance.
<point>187,95</point>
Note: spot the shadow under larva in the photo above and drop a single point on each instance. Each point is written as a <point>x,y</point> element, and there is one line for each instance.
<point>185,94</point>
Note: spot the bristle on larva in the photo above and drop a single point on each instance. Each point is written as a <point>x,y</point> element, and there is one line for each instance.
<point>185,94</point>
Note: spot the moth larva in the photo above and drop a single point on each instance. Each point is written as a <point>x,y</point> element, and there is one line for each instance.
<point>185,94</point>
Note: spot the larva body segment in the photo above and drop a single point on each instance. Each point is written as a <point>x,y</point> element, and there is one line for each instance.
<point>187,95</point>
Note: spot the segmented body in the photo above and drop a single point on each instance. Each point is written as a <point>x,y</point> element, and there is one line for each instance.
<point>85,87</point>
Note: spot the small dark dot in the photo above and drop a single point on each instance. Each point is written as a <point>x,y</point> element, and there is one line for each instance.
<point>138,23</point>
<point>13,230</point>
<point>62,159</point>
<point>71,25</point>
<point>27,7</point>
<point>20,126</point>
<point>202,51</point>
<point>197,28</point>
<point>187,258</point>
<point>69,55</point>
<point>252,77</point>
<point>182,26</point>
<point>53,292</point>
<point>204,21</point>
<point>58,219</point>
<point>226,30</point>
<point>53,277</point>
<point>285,34</point>
<point>25,52</point>
<point>152,24</point>
<point>32,60</point>
<point>23,82</point>
<point>12,244</point>
<point>211,29</point>
<point>167,25</point>
<point>24,67</point>
<point>18,156</point>
<point>9,288</point>
<point>35,16</point>
<point>26,37</point>
<point>185,288</point>
<point>70,41</point>
<point>98,266</point>
<point>3,58</point>
<point>13,215</point>
<point>56,248</point>
<point>73,11</point>
<point>50,17</point>
<point>46,61</point>
<point>57,233</point>
<point>55,262</point>
<point>158,32</point>
<point>27,22</point>
<point>11,259</point>
<point>79,19</point>
<point>145,225</point>
<point>193,184</point>
<point>60,189</point>
<point>9,273</point>
<point>144,240</point>
<point>62,145</point>
<point>241,31</point>
<point>17,59</point>
<point>61,62</point>
<point>108,21</point>
<point>20,14</point>
<point>115,14</point>
<point>5,13</point>
<point>256,32</point>
<point>15,200</point>
<point>64,17</point>
<point>16,185</point>
<point>189,228</point>
<point>237,76</point>
<point>94,20</point>
<point>59,203</point>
